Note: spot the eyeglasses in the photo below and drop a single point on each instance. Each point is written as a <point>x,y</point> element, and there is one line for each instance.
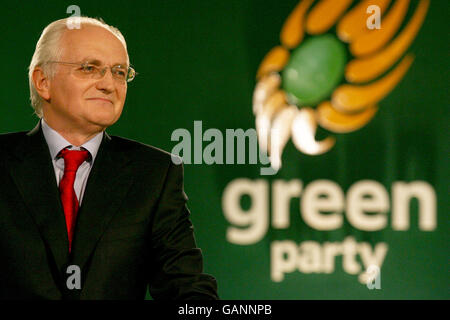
<point>87,70</point>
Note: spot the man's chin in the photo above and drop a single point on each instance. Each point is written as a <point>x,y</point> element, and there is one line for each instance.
<point>103,118</point>
<point>102,122</point>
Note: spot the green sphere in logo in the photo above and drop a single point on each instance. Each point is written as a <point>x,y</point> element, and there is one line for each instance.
<point>314,70</point>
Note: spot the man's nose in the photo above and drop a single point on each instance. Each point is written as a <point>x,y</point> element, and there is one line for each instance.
<point>106,82</point>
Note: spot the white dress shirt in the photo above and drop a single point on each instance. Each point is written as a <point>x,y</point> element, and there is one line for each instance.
<point>56,143</point>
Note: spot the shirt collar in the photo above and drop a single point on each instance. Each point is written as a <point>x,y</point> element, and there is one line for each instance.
<point>56,142</point>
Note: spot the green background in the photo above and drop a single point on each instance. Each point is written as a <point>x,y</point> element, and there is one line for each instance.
<point>197,60</point>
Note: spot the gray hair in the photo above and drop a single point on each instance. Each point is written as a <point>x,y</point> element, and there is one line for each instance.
<point>48,49</point>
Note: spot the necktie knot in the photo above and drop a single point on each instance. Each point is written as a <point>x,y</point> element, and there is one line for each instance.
<point>73,158</point>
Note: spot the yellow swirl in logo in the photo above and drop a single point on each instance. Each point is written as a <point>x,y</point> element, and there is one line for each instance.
<point>302,84</point>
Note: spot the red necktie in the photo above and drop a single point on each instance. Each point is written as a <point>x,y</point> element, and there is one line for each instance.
<point>72,161</point>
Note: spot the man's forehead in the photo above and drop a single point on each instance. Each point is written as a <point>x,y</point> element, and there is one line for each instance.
<point>92,41</point>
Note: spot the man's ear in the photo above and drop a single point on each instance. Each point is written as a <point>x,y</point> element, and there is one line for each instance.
<point>41,83</point>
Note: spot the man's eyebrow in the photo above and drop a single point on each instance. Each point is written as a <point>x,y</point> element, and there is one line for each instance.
<point>92,61</point>
<point>97,62</point>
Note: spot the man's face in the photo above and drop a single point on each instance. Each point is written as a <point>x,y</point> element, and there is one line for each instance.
<point>87,103</point>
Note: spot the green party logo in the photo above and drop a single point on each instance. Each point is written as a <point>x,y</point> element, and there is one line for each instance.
<point>310,80</point>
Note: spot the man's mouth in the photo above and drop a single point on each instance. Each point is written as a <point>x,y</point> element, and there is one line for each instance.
<point>101,99</point>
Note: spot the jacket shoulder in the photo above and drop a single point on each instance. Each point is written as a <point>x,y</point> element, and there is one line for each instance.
<point>143,152</point>
<point>9,140</point>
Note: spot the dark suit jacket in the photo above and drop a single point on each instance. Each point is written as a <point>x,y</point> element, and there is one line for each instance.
<point>132,230</point>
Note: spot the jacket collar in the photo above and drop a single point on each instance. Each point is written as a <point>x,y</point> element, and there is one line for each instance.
<point>56,142</point>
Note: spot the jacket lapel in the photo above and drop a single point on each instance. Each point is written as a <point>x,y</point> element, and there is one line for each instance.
<point>33,173</point>
<point>108,184</point>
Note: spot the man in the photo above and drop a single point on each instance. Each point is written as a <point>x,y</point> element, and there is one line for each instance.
<point>85,215</point>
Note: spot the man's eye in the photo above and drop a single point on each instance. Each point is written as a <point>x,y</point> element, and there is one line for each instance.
<point>121,73</point>
<point>88,68</point>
